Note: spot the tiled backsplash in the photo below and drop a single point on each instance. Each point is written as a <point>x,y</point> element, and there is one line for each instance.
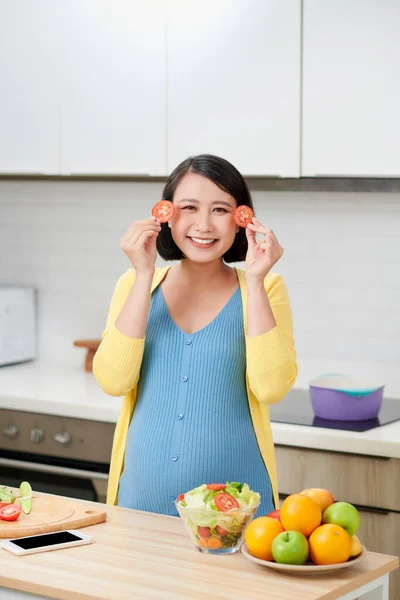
<point>341,265</point>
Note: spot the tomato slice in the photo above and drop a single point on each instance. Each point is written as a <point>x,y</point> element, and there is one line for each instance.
<point>10,512</point>
<point>216,487</point>
<point>204,532</point>
<point>163,211</point>
<point>224,502</point>
<point>243,215</point>
<point>221,531</point>
<point>5,504</point>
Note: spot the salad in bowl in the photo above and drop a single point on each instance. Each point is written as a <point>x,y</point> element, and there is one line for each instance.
<point>216,515</point>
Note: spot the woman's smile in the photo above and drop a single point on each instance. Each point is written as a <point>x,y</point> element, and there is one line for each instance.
<point>202,242</point>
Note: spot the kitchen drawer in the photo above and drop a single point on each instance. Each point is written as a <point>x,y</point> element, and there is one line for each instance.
<point>362,480</point>
<point>380,532</point>
<point>38,433</point>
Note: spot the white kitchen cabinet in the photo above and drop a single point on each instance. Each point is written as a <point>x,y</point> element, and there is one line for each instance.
<point>30,86</point>
<point>351,88</point>
<point>234,83</point>
<point>114,110</point>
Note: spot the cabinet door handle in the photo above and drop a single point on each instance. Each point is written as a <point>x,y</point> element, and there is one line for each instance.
<point>372,509</point>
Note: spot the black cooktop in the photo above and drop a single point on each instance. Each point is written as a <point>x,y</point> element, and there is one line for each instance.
<point>296,409</point>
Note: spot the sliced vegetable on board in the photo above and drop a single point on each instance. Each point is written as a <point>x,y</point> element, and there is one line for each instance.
<point>6,495</point>
<point>10,512</point>
<point>26,497</point>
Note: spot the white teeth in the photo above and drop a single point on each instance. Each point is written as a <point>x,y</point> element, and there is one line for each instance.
<point>200,241</point>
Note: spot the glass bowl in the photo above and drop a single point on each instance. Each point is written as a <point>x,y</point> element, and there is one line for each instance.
<point>215,532</point>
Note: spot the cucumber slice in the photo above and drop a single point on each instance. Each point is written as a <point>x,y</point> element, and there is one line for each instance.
<point>26,497</point>
<point>6,495</point>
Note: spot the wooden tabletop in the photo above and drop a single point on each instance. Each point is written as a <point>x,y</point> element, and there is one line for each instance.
<point>143,555</point>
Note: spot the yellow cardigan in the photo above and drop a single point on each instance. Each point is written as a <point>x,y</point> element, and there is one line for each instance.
<point>270,358</point>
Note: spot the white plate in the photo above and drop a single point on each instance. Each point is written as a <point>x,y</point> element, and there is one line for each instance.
<point>308,568</point>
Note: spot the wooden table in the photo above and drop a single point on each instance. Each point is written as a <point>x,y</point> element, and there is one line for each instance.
<point>143,555</point>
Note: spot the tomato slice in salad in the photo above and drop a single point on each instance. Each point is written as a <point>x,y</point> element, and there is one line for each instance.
<point>216,487</point>
<point>163,211</point>
<point>221,531</point>
<point>10,512</point>
<point>243,215</point>
<point>204,532</point>
<point>224,502</point>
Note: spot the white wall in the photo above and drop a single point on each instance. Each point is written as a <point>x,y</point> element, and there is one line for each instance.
<point>341,265</point>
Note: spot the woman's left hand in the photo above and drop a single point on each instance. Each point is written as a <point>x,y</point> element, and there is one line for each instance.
<point>263,254</point>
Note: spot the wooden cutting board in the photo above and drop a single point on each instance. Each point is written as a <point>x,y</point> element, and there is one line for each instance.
<point>51,513</point>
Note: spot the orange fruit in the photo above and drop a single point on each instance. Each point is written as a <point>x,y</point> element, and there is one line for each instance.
<point>323,497</point>
<point>300,513</point>
<point>329,545</point>
<point>259,536</point>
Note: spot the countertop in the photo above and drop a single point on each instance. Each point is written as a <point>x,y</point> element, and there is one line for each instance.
<point>72,392</point>
<point>144,555</point>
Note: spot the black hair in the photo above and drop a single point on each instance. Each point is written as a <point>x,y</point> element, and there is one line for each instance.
<point>226,177</point>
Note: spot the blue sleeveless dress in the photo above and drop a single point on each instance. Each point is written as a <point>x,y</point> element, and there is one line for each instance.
<point>192,423</point>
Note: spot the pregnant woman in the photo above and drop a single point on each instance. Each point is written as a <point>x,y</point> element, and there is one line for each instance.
<point>198,349</point>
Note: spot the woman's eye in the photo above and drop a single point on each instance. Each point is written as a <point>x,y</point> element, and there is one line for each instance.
<point>191,207</point>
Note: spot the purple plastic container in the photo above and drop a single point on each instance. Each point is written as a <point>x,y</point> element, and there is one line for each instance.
<point>345,398</point>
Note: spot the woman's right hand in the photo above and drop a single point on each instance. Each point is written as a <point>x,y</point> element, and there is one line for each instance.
<point>139,244</point>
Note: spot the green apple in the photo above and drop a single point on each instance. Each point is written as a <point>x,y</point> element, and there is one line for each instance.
<point>344,514</point>
<point>290,548</point>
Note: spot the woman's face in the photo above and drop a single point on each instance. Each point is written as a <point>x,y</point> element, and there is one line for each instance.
<point>202,227</point>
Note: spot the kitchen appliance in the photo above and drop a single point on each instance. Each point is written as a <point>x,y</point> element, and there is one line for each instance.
<point>346,398</point>
<point>17,324</point>
<point>296,409</point>
<point>58,455</point>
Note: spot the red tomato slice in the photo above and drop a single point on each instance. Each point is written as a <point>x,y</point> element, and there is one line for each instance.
<point>243,215</point>
<point>225,502</point>
<point>221,531</point>
<point>216,487</point>
<point>181,497</point>
<point>10,512</point>
<point>163,211</point>
<point>204,532</point>
<point>4,504</point>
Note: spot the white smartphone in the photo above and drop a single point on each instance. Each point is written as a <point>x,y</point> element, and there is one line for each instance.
<point>45,542</point>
